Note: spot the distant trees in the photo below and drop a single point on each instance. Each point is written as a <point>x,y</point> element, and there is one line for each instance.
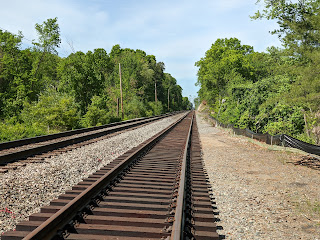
<point>42,93</point>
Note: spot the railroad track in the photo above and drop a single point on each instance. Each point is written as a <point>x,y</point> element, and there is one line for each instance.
<point>38,148</point>
<point>157,190</point>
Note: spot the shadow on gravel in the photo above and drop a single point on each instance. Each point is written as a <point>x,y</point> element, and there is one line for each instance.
<point>216,214</point>
<point>219,227</point>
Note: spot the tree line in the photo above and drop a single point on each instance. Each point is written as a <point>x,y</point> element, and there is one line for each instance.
<point>277,91</point>
<point>43,93</point>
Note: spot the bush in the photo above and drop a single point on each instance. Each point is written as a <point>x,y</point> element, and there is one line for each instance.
<point>136,109</point>
<point>303,137</point>
<point>56,111</point>
<point>228,112</point>
<point>285,119</point>
<point>97,113</point>
<point>155,108</point>
<point>244,120</point>
<point>12,130</point>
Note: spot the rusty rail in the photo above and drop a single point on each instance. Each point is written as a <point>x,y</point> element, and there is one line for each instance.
<point>179,217</point>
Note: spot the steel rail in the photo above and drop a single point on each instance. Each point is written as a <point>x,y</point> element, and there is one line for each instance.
<point>111,128</point>
<point>179,217</point>
<point>60,219</point>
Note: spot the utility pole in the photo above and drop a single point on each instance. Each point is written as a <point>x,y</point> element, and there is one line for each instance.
<point>155,91</point>
<point>118,106</point>
<point>168,98</point>
<point>122,115</point>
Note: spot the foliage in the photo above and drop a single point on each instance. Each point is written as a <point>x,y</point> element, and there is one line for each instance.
<point>15,82</point>
<point>273,98</point>
<point>80,76</point>
<point>49,35</point>
<point>42,93</point>
<point>276,91</point>
<point>45,56</point>
<point>11,130</point>
<point>285,119</point>
<point>299,23</point>
<point>136,108</point>
<point>56,111</point>
<point>225,64</point>
<point>156,108</point>
<point>97,113</point>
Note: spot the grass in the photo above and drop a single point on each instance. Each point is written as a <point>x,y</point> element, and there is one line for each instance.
<point>307,207</point>
<point>315,207</point>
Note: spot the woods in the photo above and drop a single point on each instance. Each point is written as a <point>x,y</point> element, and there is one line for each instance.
<point>277,91</point>
<point>42,93</point>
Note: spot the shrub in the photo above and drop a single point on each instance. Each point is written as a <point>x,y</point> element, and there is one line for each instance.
<point>97,113</point>
<point>156,108</point>
<point>136,109</point>
<point>12,130</point>
<point>56,111</point>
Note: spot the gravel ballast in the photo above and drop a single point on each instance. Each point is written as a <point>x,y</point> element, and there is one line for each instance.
<point>260,193</point>
<point>25,190</point>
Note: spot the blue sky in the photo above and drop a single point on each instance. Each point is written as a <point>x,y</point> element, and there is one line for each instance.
<point>177,32</point>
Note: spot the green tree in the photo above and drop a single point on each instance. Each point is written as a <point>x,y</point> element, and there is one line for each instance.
<point>15,69</point>
<point>42,93</point>
<point>45,55</point>
<point>49,35</point>
<point>82,76</point>
<point>225,64</point>
<point>299,22</point>
<point>299,30</point>
<point>276,91</point>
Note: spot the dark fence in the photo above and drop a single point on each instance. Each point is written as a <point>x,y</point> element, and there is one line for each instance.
<point>295,143</point>
<point>281,139</point>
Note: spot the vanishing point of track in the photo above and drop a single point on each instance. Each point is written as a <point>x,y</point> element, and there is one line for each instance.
<point>157,190</point>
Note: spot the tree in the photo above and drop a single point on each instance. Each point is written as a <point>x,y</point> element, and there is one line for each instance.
<point>276,91</point>
<point>82,76</point>
<point>49,35</point>
<point>45,59</point>
<point>299,31</point>
<point>299,23</point>
<point>225,63</point>
<point>15,69</point>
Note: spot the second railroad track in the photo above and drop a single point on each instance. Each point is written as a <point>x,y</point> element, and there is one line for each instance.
<point>37,148</point>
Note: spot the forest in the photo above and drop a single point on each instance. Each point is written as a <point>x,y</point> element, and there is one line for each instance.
<point>277,91</point>
<point>42,93</point>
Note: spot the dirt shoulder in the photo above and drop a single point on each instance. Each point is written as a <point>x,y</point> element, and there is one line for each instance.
<point>260,193</point>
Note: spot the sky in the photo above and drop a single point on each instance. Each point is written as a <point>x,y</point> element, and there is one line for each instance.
<point>177,32</point>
